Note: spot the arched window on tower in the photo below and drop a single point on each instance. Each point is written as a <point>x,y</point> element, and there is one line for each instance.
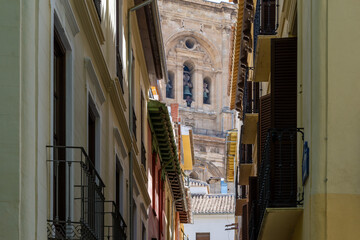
<point>170,85</point>
<point>188,95</point>
<point>206,90</point>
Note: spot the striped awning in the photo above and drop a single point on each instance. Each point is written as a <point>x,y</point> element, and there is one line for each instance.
<point>231,155</point>
<point>236,54</point>
<point>241,50</point>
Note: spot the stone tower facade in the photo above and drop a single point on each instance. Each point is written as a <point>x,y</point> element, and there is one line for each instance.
<point>197,38</point>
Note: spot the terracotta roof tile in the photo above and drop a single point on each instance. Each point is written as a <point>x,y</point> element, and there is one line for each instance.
<point>213,204</point>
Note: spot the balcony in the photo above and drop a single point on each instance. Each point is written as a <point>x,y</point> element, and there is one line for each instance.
<point>246,168</point>
<point>277,204</point>
<point>117,229</point>
<point>76,195</point>
<point>262,59</point>
<point>241,199</point>
<point>266,20</point>
<point>209,132</point>
<point>266,23</point>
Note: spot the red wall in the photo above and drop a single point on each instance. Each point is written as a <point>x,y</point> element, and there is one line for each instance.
<point>155,190</point>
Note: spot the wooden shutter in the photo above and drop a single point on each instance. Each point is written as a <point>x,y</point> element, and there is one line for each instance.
<point>256,96</point>
<point>253,184</point>
<point>264,123</point>
<point>248,94</point>
<point>253,210</point>
<point>283,82</point>
<point>268,16</point>
<point>244,222</point>
<point>283,115</point>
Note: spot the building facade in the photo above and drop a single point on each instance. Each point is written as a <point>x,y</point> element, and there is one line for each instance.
<point>76,76</point>
<point>171,206</point>
<point>285,86</point>
<point>212,213</point>
<point>197,37</point>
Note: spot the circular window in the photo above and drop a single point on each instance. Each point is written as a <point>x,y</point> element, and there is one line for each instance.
<point>190,43</point>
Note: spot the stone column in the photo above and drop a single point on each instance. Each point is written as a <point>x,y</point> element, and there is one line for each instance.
<point>218,88</point>
<point>179,84</point>
<point>198,75</point>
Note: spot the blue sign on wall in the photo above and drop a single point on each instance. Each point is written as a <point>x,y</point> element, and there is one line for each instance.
<point>305,163</point>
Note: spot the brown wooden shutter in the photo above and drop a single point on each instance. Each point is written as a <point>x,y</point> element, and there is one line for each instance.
<point>283,82</point>
<point>244,222</point>
<point>253,198</point>
<point>283,115</point>
<point>256,96</point>
<point>248,103</point>
<point>268,16</point>
<point>264,123</point>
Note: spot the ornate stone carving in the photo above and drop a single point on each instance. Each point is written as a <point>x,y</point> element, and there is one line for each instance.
<point>189,119</point>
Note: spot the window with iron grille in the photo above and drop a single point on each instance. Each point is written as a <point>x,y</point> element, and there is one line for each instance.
<point>269,17</point>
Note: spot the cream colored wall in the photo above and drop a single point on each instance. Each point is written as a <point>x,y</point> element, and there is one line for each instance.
<point>26,109</point>
<point>329,81</point>
<point>10,119</point>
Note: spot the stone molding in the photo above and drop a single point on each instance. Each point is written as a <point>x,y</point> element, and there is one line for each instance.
<point>70,17</point>
<point>95,80</point>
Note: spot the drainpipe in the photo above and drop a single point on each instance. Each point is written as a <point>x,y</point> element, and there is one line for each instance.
<point>131,123</point>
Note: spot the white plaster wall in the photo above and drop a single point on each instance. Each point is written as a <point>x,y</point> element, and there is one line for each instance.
<point>214,224</point>
<point>199,190</point>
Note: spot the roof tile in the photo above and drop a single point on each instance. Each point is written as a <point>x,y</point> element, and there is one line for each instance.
<point>213,204</point>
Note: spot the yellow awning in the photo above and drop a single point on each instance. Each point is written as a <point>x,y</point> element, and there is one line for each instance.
<point>236,54</point>
<point>279,223</point>
<point>263,59</point>
<point>231,155</point>
<point>188,158</point>
<point>250,128</point>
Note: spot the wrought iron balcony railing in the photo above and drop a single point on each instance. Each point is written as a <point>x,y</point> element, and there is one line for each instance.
<point>76,204</point>
<point>209,132</point>
<point>251,95</point>
<point>256,28</point>
<point>117,229</point>
<point>277,185</point>
<point>266,20</point>
<point>253,226</point>
<point>240,190</point>
<point>245,151</point>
